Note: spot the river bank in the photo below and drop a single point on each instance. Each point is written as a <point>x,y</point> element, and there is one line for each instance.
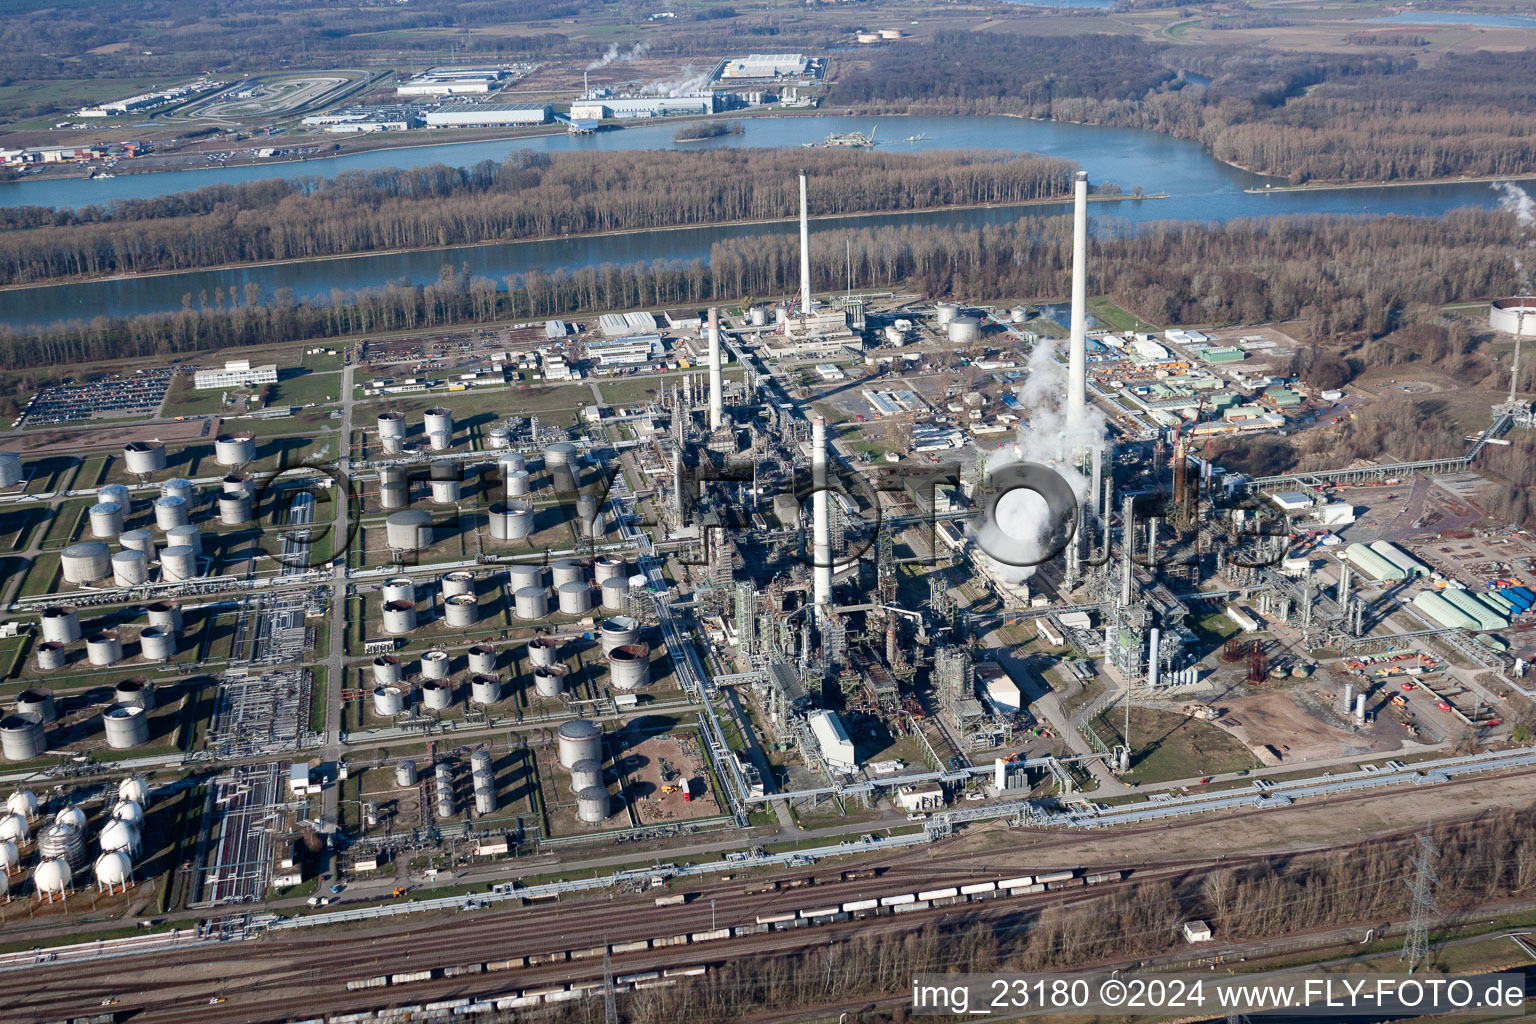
<point>1342,186</point>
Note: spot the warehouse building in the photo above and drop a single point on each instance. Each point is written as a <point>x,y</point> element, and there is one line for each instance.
<point>237,373</point>
<point>1373,564</point>
<point>366,119</point>
<point>625,107</point>
<point>486,115</point>
<point>1411,566</point>
<point>832,739</point>
<point>765,65</point>
<point>452,82</point>
<point>625,325</point>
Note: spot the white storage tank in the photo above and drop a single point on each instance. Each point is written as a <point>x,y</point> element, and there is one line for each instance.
<point>52,879</point>
<point>561,453</point>
<point>629,667</point>
<point>531,603</point>
<point>178,487</point>
<point>405,775</point>
<point>185,536</point>
<point>1019,314</point>
<point>114,872</point>
<point>543,651</point>
<point>39,701</point>
<point>484,689</point>
<point>458,582</point>
<point>141,541</point>
<point>444,481</point>
<point>72,815</point>
<point>511,462</point>
<point>237,484</point>
<point>485,794</point>
<point>10,860</point>
<point>524,575</point>
<point>965,330</point>
<point>462,611</point>
<point>10,469</point>
<point>137,690</point>
<point>945,313</point>
<point>14,828</point>
<point>166,614</point>
<point>386,670</point>
<point>156,643</point>
<point>592,805</point>
<point>759,316</point>
<point>106,520</point>
<point>134,789</point>
<point>144,458</point>
<point>86,562</point>
<point>21,738</point>
<point>575,598</point>
<point>118,494</point>
<point>568,570</point>
<point>436,695</point>
<point>126,725</point>
<point>615,593</point>
<point>515,484</point>
<point>51,656</point>
<point>394,488</point>
<point>61,623</point>
<point>170,511</point>
<point>104,648</point>
<point>409,529</point>
<point>130,568</point>
<point>391,431</point>
<point>63,840</point>
<point>437,421</point>
<point>234,450</point>
<point>127,810</point>
<point>234,509</point>
<point>549,682</point>
<point>399,588</point>
<point>509,522</point>
<point>482,659</point>
<point>579,740</point>
<point>498,438</point>
<point>388,701</point>
<point>119,835</point>
<point>399,617</point>
<point>447,806</point>
<point>436,665</point>
<point>617,631</point>
<point>22,802</point>
<point>178,563</point>
<point>610,567</point>
<point>586,774</point>
<point>440,441</point>
<point>1515,315</point>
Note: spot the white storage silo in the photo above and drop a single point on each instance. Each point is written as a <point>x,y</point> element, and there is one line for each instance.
<point>498,438</point>
<point>61,623</point>
<point>444,482</point>
<point>126,725</point>
<point>436,665</point>
<point>117,494</point>
<point>485,794</point>
<point>399,617</point>
<point>39,701</point>
<point>543,651</point>
<point>549,682</point>
<point>234,509</point>
<point>170,511</point>
<point>617,631</point>
<point>51,656</point>
<point>561,453</point>
<point>458,582</point>
<point>388,701</point>
<point>104,648</point>
<point>408,530</point>
<point>461,612</point>
<point>185,536</point>
<point>586,774</point>
<point>945,312</point>
<point>579,740</point>
<point>165,614</point>
<point>86,562</point>
<point>237,484</point>
<point>178,564</point>
<point>144,458</point>
<point>141,541</point>
<point>482,659</point>
<point>592,805</point>
<point>531,603</point>
<point>234,450</point>
<point>511,462</point>
<point>964,330</point>
<point>440,442</point>
<point>21,739</point>
<point>399,588</point>
<point>484,689</point>
<point>575,598</point>
<point>156,643</point>
<point>629,667</point>
<point>386,670</point>
<point>130,568</point>
<point>436,695</point>
<point>106,520</point>
<point>391,431</point>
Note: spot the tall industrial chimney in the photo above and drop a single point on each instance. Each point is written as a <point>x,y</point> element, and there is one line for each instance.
<point>1154,641</point>
<point>821,525</point>
<point>1077,360</point>
<point>805,252</point>
<point>716,378</point>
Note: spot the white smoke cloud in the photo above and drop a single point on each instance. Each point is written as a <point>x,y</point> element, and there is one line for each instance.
<point>615,54</point>
<point>1047,438</point>
<point>687,84</point>
<point>1519,202</point>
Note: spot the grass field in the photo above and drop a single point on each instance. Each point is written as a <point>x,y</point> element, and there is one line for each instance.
<point>1170,746</point>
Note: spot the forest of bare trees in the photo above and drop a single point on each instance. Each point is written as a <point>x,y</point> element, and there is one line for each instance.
<point>1306,117</point>
<point>1337,274</point>
<point>530,195</point>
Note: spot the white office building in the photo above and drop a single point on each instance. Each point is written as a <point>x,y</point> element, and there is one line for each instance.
<point>237,373</point>
<point>486,115</point>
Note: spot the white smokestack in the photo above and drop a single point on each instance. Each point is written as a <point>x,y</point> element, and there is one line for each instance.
<point>1154,639</point>
<point>716,378</point>
<point>805,252</point>
<point>821,524</point>
<point>1077,368</point>
<point>1360,708</point>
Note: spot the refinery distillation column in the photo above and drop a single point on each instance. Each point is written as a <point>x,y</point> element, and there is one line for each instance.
<point>716,379</point>
<point>821,527</point>
<point>1077,386</point>
<point>805,252</point>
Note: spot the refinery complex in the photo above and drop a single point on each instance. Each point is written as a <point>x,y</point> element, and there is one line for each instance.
<point>535,614</point>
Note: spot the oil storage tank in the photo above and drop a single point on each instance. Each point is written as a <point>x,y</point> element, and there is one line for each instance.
<point>126,725</point>
<point>592,805</point>
<point>461,611</point>
<point>409,529</point>
<point>579,740</point>
<point>178,563</point>
<point>484,689</point>
<point>391,432</point>
<point>436,665</point>
<point>524,575</point>
<point>482,659</point>
<point>129,568</point>
<point>39,701</point>
<point>137,690</point>
<point>386,670</point>
<point>234,450</point>
<point>629,667</point>
<point>405,774</point>
<point>615,593</point>
<point>436,696</point>
<point>617,631</point>
<point>104,648</point>
<point>185,536</point>
<point>568,570</point>
<point>237,484</point>
<point>549,682</point>
<point>388,701</point>
<point>51,656</point>
<point>394,488</point>
<point>10,469</point>
<point>86,562</point>
<point>178,487</point>
<point>964,330</point>
<point>610,567</point>
<point>508,522</point>
<point>21,737</point>
<point>156,643</point>
<point>399,617</point>
<point>106,520</point>
<point>586,774</point>
<point>543,651</point>
<point>234,509</point>
<point>166,614</point>
<point>170,511</point>
<point>144,458</point>
<point>575,598</point>
<point>399,588</point>
<point>515,484</point>
<point>561,453</point>
<point>141,541</point>
<point>531,603</point>
<point>118,494</point>
<point>445,482</point>
<point>438,421</point>
<point>61,623</point>
<point>458,582</point>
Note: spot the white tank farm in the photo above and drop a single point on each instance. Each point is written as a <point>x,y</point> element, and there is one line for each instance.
<point>52,879</point>
<point>1515,315</point>
<point>575,598</point>
<point>436,665</point>
<point>592,805</point>
<point>586,774</point>
<point>759,316</point>
<point>10,469</point>
<point>126,726</point>
<point>399,617</point>
<point>104,648</point>
<point>22,802</point>
<point>178,487</point>
<point>531,603</point>
<point>130,568</point>
<point>964,330</point>
<point>945,312</point>
<point>437,421</point>
<point>119,835</point>
<point>114,871</point>
<point>440,441</point>
<point>21,738</point>
<point>166,614</point>
<point>485,795</point>
<point>178,563</point>
<point>568,570</point>
<point>549,682</point>
<point>445,483</point>
<point>234,509</point>
<point>51,656</point>
<point>405,774</point>
<point>61,623</point>
<point>144,458</point>
<point>386,670</point>
<point>510,523</point>
<point>462,611</point>
<point>543,651</point>
<point>63,840</point>
<point>391,425</point>
<point>515,484</point>
<point>39,701</point>
<point>14,828</point>
<point>106,520</point>
<point>394,488</point>
<point>524,575</point>
<point>629,667</point>
<point>615,593</point>
<point>436,696</point>
<point>579,740</point>
<point>134,789</point>
<point>141,541</point>
<point>118,494</point>
<point>170,510</point>
<point>388,701</point>
<point>86,562</point>
<point>447,806</point>
<point>610,567</point>
<point>157,643</point>
<point>458,582</point>
<point>482,659</point>
<point>400,588</point>
<point>234,450</point>
<point>185,536</point>
<point>409,529</point>
<point>618,631</point>
<point>484,689</point>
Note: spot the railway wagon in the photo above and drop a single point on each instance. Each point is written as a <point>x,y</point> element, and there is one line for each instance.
<point>1016,883</point>
<point>748,929</point>
<point>908,907</point>
<point>410,976</point>
<point>855,906</point>
<point>1024,890</point>
<point>588,953</point>
<point>775,918</point>
<point>938,894</point>
<point>710,936</point>
<point>831,911</point>
<point>1100,877</point>
<point>896,901</point>
<point>461,969</point>
<point>1066,883</point>
<point>629,947</point>
<point>1054,876</point>
<point>365,983</point>
<point>676,899</point>
<point>676,940</point>
<point>977,888</point>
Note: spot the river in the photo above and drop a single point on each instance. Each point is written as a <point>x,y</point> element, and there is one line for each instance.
<point>1199,188</point>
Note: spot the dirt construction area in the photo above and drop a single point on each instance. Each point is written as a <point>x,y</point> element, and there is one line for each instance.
<point>660,771</point>
<point>1297,734</point>
<point>73,442</point>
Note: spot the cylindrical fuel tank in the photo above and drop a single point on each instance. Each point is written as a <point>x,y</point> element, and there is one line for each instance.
<point>394,488</point>
<point>391,426</point>
<point>140,540</point>
<point>482,659</point>
<point>104,648</point>
<point>117,494</point>
<point>586,774</point>
<point>126,725</point>
<point>51,656</point>
<point>575,598</point>
<point>388,701</point>
<point>484,689</point>
<point>568,570</point>
<point>515,484</point>
<point>166,614</point>
<point>610,567</point>
<point>157,643</point>
<point>436,665</point>
<point>234,449</point>
<point>170,511</point>
<point>531,603</point>
<point>10,469</point>
<point>579,740</point>
<point>405,774</point>
<point>523,575</point>
<point>137,690</point>
<point>617,631</point>
<point>629,667</point>
<point>445,482</point>
<point>549,682</point>
<point>399,617</point>
<point>543,651</point>
<point>592,805</point>
<point>39,701</point>
<point>129,568</point>
<point>144,458</point>
<point>461,612</point>
<point>237,484</point>
<point>509,522</point>
<point>436,695</point>
<point>178,487</point>
<point>511,462</point>
<point>498,438</point>
<point>185,536</point>
<point>409,529</point>
<point>106,520</point>
<point>561,453</point>
<point>615,593</point>
<point>458,582</point>
<point>86,562</point>
<point>61,623</point>
<point>437,421</point>
<point>234,509</point>
<point>386,670</point>
<point>21,737</point>
<point>178,563</point>
<point>399,588</point>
